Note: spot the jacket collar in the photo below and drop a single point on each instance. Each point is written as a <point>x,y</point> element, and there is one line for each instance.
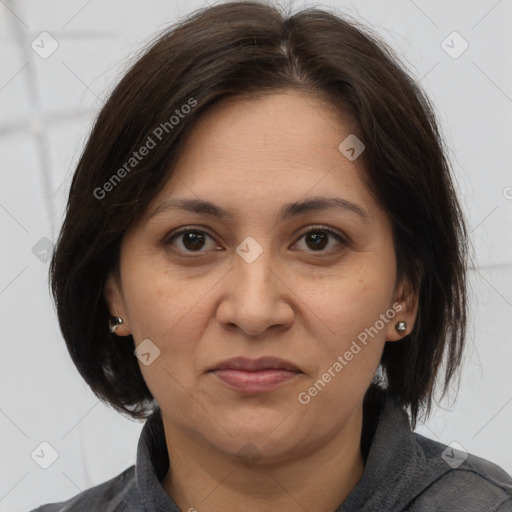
<point>395,471</point>
<point>152,465</point>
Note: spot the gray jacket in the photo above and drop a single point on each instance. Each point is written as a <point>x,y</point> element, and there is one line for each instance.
<point>404,471</point>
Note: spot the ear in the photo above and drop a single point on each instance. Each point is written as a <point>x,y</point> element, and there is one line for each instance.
<point>406,307</point>
<point>113,296</point>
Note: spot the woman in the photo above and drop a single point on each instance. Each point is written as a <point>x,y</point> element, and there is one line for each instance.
<point>263,254</point>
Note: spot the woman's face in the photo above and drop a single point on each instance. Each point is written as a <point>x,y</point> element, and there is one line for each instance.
<point>253,284</point>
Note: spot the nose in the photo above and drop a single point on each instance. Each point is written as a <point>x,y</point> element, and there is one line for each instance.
<point>256,297</point>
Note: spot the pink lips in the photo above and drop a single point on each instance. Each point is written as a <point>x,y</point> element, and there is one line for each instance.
<point>255,375</point>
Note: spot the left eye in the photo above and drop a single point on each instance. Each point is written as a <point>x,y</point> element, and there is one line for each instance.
<point>193,240</point>
<point>319,238</point>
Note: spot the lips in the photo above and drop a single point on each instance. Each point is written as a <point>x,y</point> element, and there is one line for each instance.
<point>251,376</point>
<point>254,365</point>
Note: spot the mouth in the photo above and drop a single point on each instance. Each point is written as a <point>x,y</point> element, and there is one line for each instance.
<point>255,375</point>
<point>255,365</point>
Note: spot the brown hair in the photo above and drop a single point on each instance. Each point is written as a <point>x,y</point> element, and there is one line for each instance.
<point>241,48</point>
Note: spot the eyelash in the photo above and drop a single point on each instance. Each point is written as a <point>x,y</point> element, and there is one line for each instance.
<point>193,254</point>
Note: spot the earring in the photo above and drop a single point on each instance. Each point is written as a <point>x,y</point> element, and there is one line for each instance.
<point>115,322</point>
<point>400,327</point>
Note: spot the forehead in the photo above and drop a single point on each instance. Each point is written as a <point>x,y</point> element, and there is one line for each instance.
<point>282,140</point>
<point>265,152</point>
<point>281,126</point>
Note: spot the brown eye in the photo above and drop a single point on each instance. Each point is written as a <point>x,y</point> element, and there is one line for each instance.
<point>192,240</point>
<point>317,239</point>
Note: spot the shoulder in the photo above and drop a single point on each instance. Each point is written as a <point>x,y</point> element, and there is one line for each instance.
<point>458,481</point>
<point>115,495</point>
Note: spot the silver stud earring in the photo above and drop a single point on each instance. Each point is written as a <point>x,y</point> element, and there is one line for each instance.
<point>400,327</point>
<point>115,322</point>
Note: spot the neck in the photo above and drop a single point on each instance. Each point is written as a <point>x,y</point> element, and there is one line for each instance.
<point>202,478</point>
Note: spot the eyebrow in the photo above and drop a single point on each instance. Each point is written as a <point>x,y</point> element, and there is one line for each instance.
<point>313,204</point>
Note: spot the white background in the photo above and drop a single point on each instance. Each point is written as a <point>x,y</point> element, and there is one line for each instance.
<point>46,109</point>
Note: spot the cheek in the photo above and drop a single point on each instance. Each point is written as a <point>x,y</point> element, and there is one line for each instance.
<point>351,301</point>
<point>349,356</point>
<point>171,319</point>
<point>171,313</point>
<point>158,300</point>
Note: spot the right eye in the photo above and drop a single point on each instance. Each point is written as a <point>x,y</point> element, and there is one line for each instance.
<point>191,240</point>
